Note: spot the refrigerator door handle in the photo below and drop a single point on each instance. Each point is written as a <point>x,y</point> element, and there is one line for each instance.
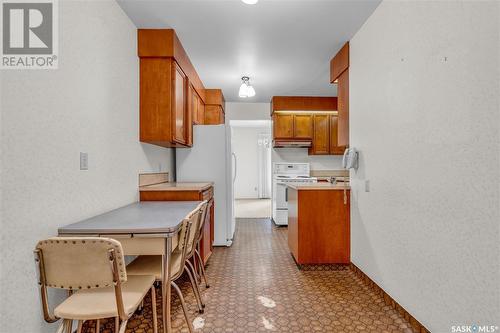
<point>235,166</point>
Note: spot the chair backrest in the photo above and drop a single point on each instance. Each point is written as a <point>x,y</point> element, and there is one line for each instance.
<point>197,223</point>
<point>80,262</point>
<point>204,217</point>
<point>184,232</point>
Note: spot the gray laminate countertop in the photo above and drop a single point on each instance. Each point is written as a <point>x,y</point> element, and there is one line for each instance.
<point>158,217</point>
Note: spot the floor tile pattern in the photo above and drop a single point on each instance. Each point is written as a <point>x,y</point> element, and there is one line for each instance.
<point>256,287</point>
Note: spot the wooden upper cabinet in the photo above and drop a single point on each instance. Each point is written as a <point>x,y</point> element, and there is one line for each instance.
<point>196,107</point>
<point>214,107</point>
<point>343,99</point>
<point>180,105</point>
<point>339,73</point>
<point>200,111</point>
<point>172,96</point>
<point>321,141</point>
<point>302,126</point>
<point>283,126</point>
<point>335,148</point>
<point>339,63</point>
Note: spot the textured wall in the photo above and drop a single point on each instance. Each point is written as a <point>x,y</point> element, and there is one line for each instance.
<point>424,84</point>
<point>89,104</point>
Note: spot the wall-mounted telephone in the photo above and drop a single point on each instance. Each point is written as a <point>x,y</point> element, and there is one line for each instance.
<point>350,159</point>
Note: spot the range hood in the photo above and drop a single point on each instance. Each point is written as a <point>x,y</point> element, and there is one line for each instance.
<point>292,143</point>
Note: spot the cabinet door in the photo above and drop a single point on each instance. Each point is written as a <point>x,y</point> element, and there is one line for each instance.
<point>201,111</point>
<point>194,105</point>
<point>179,105</point>
<point>335,149</point>
<point>321,140</point>
<point>207,241</point>
<point>283,126</point>
<point>303,126</point>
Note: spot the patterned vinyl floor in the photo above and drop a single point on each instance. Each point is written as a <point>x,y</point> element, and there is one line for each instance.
<point>255,286</point>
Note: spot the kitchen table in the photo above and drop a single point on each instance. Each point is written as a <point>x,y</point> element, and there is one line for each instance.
<point>143,228</point>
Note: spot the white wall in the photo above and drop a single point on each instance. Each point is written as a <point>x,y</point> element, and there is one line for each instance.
<point>261,111</point>
<point>428,131</point>
<point>244,142</point>
<point>89,104</point>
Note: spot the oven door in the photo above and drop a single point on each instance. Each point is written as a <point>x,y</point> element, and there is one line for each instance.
<point>281,196</point>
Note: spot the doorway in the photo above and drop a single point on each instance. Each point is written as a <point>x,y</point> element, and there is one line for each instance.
<point>251,150</point>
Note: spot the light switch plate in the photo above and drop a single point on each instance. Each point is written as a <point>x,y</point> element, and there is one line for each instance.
<point>84,161</point>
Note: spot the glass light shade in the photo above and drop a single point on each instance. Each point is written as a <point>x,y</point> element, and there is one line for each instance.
<point>243,93</point>
<point>250,91</point>
<point>250,2</point>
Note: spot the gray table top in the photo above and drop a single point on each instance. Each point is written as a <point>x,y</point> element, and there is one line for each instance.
<point>152,217</point>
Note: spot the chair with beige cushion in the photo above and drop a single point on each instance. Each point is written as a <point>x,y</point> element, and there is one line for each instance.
<point>152,265</point>
<point>93,270</point>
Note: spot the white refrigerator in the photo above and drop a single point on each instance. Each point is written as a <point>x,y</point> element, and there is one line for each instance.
<point>211,159</point>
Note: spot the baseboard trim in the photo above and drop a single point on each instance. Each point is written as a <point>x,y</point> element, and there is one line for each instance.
<point>389,300</point>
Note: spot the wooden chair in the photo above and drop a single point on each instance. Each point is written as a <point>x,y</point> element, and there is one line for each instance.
<point>152,265</point>
<point>93,270</point>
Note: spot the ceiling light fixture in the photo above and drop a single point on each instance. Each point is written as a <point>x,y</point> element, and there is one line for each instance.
<point>250,2</point>
<point>246,90</point>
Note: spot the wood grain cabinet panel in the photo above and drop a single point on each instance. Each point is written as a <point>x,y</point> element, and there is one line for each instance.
<point>179,105</point>
<point>214,107</point>
<point>335,148</point>
<point>321,141</point>
<point>303,126</point>
<point>283,126</point>
<point>201,111</point>
<point>339,63</point>
<point>343,101</point>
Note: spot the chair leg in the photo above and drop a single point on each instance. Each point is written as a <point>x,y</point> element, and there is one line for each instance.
<point>153,308</point>
<point>123,326</point>
<point>98,326</point>
<point>202,269</point>
<point>183,304</point>
<point>61,327</point>
<point>190,266</point>
<point>68,326</point>
<point>117,324</point>
<point>194,285</point>
<point>80,326</point>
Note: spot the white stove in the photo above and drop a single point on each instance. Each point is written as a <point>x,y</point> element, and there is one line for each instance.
<point>284,173</point>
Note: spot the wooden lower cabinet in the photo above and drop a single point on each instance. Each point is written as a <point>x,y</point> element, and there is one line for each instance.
<point>319,226</point>
<point>190,195</point>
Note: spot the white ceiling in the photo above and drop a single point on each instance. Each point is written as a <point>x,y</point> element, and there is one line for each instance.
<point>284,46</point>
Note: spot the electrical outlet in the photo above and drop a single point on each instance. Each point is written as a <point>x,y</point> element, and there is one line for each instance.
<point>367,185</point>
<point>84,161</point>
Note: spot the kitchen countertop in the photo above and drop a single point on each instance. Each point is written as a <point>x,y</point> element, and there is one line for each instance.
<point>177,187</point>
<point>318,186</point>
